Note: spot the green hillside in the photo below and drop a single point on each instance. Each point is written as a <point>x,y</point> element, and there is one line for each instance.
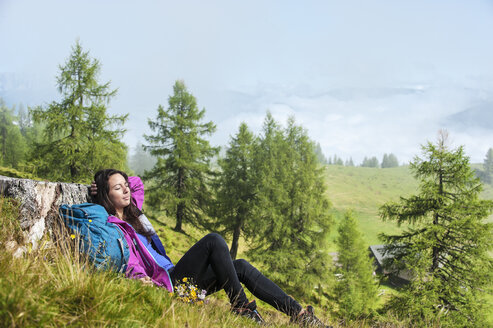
<point>55,287</point>
<point>50,287</point>
<point>364,190</point>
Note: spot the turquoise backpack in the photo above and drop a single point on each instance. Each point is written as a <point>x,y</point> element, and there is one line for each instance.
<point>104,242</point>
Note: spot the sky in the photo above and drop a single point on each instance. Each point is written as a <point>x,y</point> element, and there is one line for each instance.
<point>363,77</point>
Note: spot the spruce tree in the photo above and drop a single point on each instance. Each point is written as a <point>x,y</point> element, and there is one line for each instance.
<point>393,162</point>
<point>488,163</point>
<point>385,160</point>
<point>447,244</point>
<point>141,160</point>
<point>236,187</point>
<point>181,175</point>
<point>364,163</point>
<point>320,154</point>
<point>337,160</point>
<point>356,289</point>
<point>389,160</point>
<point>370,162</point>
<point>291,219</point>
<point>79,136</point>
<point>13,147</point>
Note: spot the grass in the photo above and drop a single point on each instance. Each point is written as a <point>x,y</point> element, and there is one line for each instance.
<point>54,287</point>
<point>364,190</point>
<point>11,172</point>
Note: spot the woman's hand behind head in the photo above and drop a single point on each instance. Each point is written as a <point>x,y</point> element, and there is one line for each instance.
<point>94,189</point>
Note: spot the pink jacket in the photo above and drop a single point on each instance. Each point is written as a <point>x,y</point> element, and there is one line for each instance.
<point>140,262</point>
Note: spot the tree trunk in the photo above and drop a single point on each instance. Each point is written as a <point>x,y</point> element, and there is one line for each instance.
<point>179,217</point>
<point>236,236</point>
<point>180,208</point>
<point>436,250</point>
<point>73,165</point>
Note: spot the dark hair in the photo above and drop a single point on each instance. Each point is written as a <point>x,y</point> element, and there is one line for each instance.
<point>131,213</point>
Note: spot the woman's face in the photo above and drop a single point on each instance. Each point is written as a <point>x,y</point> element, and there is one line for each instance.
<point>119,193</point>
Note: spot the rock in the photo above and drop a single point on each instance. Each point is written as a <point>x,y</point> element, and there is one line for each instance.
<point>39,202</point>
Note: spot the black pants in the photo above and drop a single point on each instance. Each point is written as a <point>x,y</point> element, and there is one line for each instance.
<point>209,264</point>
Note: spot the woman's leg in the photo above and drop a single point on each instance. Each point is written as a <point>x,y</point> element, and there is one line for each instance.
<point>264,289</point>
<point>211,252</point>
<point>259,285</point>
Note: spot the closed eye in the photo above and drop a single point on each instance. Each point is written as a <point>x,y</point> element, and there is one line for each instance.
<point>119,186</point>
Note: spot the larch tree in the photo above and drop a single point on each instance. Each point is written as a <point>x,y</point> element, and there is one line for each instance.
<point>291,218</point>
<point>236,187</point>
<point>446,246</point>
<point>180,179</point>
<point>79,135</point>
<point>356,289</point>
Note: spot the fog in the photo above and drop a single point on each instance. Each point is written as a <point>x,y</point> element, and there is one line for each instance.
<point>363,77</point>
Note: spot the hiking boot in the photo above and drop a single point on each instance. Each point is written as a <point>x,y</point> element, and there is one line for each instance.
<point>306,318</point>
<point>249,311</point>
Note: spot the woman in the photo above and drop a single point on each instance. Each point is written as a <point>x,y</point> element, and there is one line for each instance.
<point>208,262</point>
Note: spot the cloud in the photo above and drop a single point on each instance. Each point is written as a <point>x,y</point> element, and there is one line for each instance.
<point>397,120</point>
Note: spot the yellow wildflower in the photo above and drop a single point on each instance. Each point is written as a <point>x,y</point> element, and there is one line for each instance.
<point>72,236</point>
<point>185,279</point>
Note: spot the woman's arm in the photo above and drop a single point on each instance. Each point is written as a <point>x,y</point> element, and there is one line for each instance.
<point>137,191</point>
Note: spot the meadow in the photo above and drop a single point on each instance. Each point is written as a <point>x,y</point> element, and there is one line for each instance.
<point>363,190</point>
<point>53,287</point>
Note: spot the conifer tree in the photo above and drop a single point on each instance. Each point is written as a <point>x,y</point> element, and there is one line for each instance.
<point>364,163</point>
<point>23,119</point>
<point>370,162</point>
<point>79,136</point>
<point>488,162</point>
<point>141,160</point>
<point>356,289</point>
<point>181,175</point>
<point>291,217</point>
<point>236,187</point>
<point>13,146</point>
<point>320,154</point>
<point>389,160</point>
<point>447,245</point>
<point>337,161</point>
